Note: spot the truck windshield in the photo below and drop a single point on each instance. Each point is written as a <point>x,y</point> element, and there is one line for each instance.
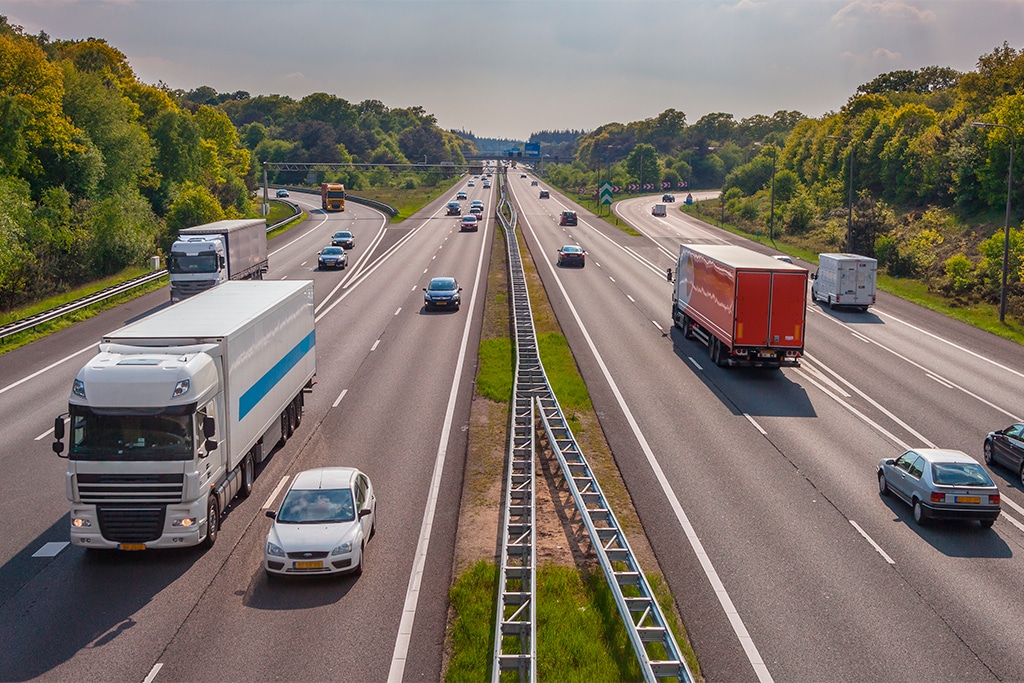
<point>128,434</point>
<point>336,194</point>
<point>184,263</point>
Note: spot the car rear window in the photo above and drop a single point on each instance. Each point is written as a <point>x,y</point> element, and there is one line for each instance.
<point>960,474</point>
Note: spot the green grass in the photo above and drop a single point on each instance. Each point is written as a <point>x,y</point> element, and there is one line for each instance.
<point>279,211</point>
<point>564,376</point>
<point>407,202</point>
<point>580,635</point>
<point>496,369</point>
<point>70,295</point>
<point>299,217</point>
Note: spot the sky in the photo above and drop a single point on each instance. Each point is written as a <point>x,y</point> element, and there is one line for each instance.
<point>508,68</point>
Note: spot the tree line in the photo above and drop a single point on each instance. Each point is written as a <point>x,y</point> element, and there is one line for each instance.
<point>930,188</point>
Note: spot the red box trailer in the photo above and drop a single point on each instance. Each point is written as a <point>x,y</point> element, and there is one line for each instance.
<point>748,308</point>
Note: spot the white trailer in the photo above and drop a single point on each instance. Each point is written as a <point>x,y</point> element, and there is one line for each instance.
<point>205,256</point>
<point>845,280</point>
<point>170,418</point>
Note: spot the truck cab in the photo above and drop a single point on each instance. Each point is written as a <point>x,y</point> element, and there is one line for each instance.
<point>196,263</point>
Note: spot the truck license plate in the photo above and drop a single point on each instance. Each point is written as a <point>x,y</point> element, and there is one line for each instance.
<point>131,546</point>
<point>309,565</point>
<point>968,499</point>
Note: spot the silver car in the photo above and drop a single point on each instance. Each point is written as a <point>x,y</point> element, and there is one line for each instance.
<point>940,484</point>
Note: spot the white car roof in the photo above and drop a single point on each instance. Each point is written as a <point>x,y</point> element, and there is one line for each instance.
<point>324,478</point>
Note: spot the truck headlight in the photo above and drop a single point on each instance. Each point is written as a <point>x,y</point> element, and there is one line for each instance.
<point>80,522</point>
<point>78,388</point>
<point>342,549</point>
<point>181,388</point>
<point>274,550</point>
<point>186,522</point>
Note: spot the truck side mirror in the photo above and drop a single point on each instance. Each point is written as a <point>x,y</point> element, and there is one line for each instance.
<point>209,426</point>
<point>211,445</point>
<point>58,428</point>
<point>223,261</point>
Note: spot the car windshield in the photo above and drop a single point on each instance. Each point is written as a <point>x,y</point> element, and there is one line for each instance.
<point>331,251</point>
<point>444,285</point>
<point>960,474</point>
<point>317,506</point>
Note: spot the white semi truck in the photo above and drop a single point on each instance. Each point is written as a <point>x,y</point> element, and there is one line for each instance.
<point>207,255</point>
<point>170,418</point>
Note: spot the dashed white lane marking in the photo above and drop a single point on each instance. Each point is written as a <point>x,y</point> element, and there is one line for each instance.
<point>152,673</point>
<point>375,345</point>
<point>51,549</point>
<point>872,542</point>
<point>340,396</point>
<point>696,364</point>
<point>273,494</point>
<point>399,310</point>
<point>756,426</point>
<point>631,298</point>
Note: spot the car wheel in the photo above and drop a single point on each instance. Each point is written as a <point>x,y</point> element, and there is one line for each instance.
<point>883,485</point>
<point>986,523</point>
<point>1021,477</point>
<point>989,460</point>
<point>248,474</point>
<point>212,522</point>
<point>362,560</point>
<point>919,513</point>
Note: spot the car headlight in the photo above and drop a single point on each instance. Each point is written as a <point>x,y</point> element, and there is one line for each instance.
<point>274,550</point>
<point>342,549</point>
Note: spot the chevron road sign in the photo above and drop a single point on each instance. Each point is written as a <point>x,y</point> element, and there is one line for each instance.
<point>606,193</point>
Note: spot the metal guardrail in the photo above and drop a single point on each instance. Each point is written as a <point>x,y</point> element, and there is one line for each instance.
<point>102,295</point>
<point>515,630</point>
<point>373,203</point>
<point>640,612</point>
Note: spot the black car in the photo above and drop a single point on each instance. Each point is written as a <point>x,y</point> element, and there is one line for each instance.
<point>343,238</point>
<point>544,194</point>
<point>1006,447</point>
<point>332,257</point>
<point>568,218</point>
<point>572,255</point>
<point>442,292</point>
<point>668,197</point>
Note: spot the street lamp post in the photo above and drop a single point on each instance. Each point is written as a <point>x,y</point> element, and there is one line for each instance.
<point>771,217</point>
<point>1006,226</point>
<point>849,210</point>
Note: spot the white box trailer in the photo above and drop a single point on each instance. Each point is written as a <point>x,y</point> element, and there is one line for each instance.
<point>169,419</point>
<point>205,256</point>
<point>845,280</point>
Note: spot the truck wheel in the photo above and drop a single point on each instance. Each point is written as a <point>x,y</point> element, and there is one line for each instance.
<point>290,413</point>
<point>298,410</point>
<point>248,474</point>
<point>687,327</point>
<point>212,522</point>
<point>284,429</point>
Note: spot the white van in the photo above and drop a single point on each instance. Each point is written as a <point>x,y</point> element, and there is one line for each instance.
<point>658,210</point>
<point>845,280</point>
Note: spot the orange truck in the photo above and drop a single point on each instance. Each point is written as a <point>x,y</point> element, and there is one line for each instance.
<point>332,196</point>
<point>748,308</point>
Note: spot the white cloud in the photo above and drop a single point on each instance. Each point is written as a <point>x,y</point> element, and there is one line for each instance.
<point>882,10</point>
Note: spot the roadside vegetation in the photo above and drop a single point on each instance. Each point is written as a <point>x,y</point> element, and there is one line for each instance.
<point>580,633</point>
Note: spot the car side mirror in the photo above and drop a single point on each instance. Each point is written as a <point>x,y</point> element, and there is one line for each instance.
<point>460,289</point>
<point>272,514</point>
<point>890,461</point>
<point>424,289</point>
<point>364,512</point>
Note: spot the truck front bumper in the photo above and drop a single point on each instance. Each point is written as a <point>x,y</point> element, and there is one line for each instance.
<point>123,528</point>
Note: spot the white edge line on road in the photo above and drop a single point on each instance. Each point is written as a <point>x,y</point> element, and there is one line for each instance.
<point>746,642</point>
<point>35,374</point>
<point>939,380</point>
<point>340,396</point>
<point>756,426</point>
<point>696,364</point>
<point>1014,505</point>
<point>153,672</point>
<point>858,335</point>
<point>656,324</point>
<point>1010,519</point>
<point>872,542</point>
<point>412,594</point>
<point>273,494</point>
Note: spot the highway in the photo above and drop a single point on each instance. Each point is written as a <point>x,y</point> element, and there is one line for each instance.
<point>392,398</point>
<point>757,488</point>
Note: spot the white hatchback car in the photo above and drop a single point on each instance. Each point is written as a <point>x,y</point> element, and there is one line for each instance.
<point>325,521</point>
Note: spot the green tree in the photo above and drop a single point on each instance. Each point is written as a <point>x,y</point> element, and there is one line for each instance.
<point>123,227</point>
<point>642,164</point>
<point>194,205</point>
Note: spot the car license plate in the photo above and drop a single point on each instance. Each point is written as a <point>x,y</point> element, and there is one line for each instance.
<point>442,303</point>
<point>309,565</point>
<point>968,499</point>
<point>132,546</point>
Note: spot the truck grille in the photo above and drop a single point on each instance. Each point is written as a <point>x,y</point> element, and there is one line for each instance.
<point>187,288</point>
<point>131,524</point>
<point>158,489</point>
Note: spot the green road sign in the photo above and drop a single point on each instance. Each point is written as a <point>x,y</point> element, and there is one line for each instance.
<point>606,193</point>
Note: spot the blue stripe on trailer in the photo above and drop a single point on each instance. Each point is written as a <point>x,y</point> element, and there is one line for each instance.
<point>269,380</point>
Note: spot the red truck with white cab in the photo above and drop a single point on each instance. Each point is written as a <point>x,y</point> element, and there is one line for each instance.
<point>748,308</point>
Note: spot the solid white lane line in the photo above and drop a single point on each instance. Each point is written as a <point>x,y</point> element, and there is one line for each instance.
<point>732,614</point>
<point>51,366</point>
<point>939,380</point>
<point>872,542</point>
<point>756,426</point>
<point>412,595</point>
<point>51,549</point>
<point>656,324</point>
<point>273,494</point>
<point>340,396</point>
<point>858,335</point>
<point>809,367</point>
<point>1012,521</point>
